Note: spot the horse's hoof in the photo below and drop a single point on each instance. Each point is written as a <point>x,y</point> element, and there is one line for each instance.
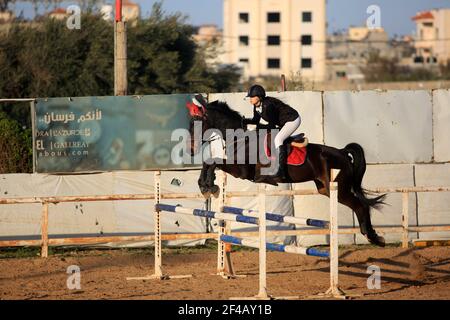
<point>207,194</point>
<point>215,190</point>
<point>377,240</point>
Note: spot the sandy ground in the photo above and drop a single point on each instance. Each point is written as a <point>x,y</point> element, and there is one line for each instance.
<point>419,273</point>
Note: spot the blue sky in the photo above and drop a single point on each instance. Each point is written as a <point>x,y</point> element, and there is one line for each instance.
<point>395,14</point>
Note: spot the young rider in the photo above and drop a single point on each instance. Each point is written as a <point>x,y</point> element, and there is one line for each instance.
<point>278,115</point>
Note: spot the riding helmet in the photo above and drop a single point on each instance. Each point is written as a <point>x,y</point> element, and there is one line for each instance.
<point>256,91</point>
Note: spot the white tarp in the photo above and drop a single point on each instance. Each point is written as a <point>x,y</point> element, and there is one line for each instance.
<point>390,176</point>
<point>130,217</point>
<point>434,207</point>
<point>392,126</point>
<point>441,125</point>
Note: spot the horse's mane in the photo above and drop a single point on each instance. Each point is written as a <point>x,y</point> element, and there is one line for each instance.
<point>224,108</point>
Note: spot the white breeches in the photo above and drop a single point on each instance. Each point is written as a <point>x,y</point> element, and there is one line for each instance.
<point>286,131</point>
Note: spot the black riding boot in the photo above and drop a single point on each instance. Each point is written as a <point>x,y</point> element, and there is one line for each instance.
<point>282,161</point>
<point>280,174</point>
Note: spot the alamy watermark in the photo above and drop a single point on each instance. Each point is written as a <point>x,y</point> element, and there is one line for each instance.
<point>374,280</point>
<point>74,278</point>
<point>374,20</point>
<point>237,147</point>
<point>74,19</point>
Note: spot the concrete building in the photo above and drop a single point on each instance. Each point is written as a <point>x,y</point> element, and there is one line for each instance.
<point>209,40</point>
<point>58,14</point>
<point>6,16</point>
<point>272,37</point>
<point>348,53</point>
<point>432,36</point>
<point>207,33</point>
<point>130,11</point>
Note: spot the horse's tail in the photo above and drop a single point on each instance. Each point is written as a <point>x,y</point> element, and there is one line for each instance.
<point>359,169</point>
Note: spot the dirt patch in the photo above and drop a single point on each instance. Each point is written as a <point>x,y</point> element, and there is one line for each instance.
<point>419,273</point>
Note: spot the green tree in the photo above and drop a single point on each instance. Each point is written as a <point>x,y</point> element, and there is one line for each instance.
<point>15,146</point>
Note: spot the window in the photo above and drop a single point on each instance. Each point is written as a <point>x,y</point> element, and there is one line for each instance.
<point>307,16</point>
<point>243,17</point>
<point>273,40</point>
<point>418,59</point>
<point>428,24</point>
<point>273,63</point>
<point>307,40</point>
<point>306,63</point>
<point>243,41</point>
<point>243,60</point>
<point>341,74</point>
<point>273,17</point>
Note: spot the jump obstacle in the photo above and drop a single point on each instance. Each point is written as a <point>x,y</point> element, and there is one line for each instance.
<point>242,218</point>
<point>227,214</point>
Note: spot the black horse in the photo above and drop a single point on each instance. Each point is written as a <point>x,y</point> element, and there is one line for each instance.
<point>318,164</point>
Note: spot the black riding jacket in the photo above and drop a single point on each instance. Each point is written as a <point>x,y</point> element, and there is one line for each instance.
<point>275,112</point>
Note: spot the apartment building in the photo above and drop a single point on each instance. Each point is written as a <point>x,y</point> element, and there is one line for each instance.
<point>272,37</point>
<point>432,36</point>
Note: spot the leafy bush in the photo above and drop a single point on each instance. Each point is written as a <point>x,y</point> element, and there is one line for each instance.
<point>15,146</point>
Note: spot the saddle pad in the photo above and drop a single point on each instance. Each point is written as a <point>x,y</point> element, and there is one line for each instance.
<point>296,156</point>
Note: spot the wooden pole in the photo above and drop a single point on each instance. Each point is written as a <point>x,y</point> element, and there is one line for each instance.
<point>283,83</point>
<point>44,230</point>
<point>334,291</point>
<point>262,294</point>
<point>157,226</point>
<point>120,61</point>
<point>224,262</point>
<point>405,219</point>
<point>120,53</point>
<point>229,268</point>
<point>334,247</point>
<point>158,275</point>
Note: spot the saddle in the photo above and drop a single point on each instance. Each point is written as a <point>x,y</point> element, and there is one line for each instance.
<point>296,149</point>
<point>298,141</point>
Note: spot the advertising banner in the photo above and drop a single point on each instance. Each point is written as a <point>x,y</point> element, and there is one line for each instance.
<point>88,134</point>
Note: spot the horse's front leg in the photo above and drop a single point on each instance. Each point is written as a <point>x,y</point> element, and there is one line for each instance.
<point>202,181</point>
<point>210,178</point>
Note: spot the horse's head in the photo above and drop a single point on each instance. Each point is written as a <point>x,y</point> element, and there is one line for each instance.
<point>215,115</point>
<point>198,114</point>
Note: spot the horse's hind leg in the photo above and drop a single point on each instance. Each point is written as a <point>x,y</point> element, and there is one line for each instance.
<point>362,211</point>
<point>322,187</point>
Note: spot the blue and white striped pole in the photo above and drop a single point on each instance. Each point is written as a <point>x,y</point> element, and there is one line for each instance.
<point>206,213</point>
<point>279,218</point>
<point>275,247</point>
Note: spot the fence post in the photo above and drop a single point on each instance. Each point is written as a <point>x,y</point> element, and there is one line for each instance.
<point>223,229</point>
<point>157,227</point>
<point>334,243</point>
<point>44,230</point>
<point>262,242</point>
<point>158,275</point>
<point>405,219</point>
